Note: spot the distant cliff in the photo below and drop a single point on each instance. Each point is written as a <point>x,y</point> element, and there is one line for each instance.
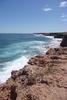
<point>56,35</point>
<point>62,35</point>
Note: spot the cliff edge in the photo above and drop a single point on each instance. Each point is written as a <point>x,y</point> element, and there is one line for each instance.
<point>44,78</point>
<point>64,42</point>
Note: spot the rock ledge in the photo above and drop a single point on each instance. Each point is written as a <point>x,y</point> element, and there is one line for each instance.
<point>44,78</point>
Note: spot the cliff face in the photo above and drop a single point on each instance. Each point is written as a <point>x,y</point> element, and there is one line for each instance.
<point>44,78</point>
<point>55,34</point>
<point>64,42</point>
<point>62,35</point>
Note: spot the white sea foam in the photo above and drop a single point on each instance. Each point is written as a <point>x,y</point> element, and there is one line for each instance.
<point>13,65</point>
<point>55,43</point>
<point>26,49</point>
<point>38,35</point>
<point>50,37</point>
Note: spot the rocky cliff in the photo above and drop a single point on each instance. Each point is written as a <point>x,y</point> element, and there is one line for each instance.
<point>64,42</point>
<point>44,78</point>
<point>55,34</point>
<point>62,35</point>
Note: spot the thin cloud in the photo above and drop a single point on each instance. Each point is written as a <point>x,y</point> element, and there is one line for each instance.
<point>64,17</point>
<point>47,9</point>
<point>63,4</point>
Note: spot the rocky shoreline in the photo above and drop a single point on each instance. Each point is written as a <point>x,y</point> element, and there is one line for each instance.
<point>44,78</point>
<point>62,35</point>
<point>55,34</point>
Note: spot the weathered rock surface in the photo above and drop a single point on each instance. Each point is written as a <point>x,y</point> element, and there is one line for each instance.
<point>64,42</point>
<point>44,78</point>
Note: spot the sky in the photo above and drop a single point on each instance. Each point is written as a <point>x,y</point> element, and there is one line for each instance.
<point>29,16</point>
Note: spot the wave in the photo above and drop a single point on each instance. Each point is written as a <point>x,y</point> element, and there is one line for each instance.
<point>13,65</point>
<point>38,35</point>
<point>55,43</point>
<point>41,35</point>
<point>16,55</point>
<point>51,37</point>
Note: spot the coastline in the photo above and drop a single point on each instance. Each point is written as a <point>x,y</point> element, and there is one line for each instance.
<point>44,77</point>
<point>15,55</point>
<point>55,34</point>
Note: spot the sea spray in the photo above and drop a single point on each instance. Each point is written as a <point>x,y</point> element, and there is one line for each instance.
<point>17,49</point>
<point>13,65</point>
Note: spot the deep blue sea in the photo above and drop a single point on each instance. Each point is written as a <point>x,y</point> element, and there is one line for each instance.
<point>17,49</point>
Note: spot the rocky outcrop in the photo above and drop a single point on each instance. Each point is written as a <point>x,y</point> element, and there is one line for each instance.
<point>55,34</point>
<point>64,42</point>
<point>44,78</point>
<point>62,35</point>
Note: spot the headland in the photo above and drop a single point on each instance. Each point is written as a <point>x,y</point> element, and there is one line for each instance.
<point>44,78</point>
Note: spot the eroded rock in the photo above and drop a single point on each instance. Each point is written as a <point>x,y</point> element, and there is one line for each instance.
<point>44,78</point>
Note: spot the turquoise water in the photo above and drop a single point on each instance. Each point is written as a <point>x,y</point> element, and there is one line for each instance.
<point>17,49</point>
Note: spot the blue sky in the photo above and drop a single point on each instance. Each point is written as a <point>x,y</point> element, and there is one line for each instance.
<point>29,16</point>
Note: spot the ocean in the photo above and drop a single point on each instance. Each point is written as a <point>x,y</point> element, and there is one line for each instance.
<point>17,49</point>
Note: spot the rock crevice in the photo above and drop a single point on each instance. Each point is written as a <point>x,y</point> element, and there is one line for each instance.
<point>44,78</point>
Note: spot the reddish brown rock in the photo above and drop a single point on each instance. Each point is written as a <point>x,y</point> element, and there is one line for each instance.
<point>44,78</point>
